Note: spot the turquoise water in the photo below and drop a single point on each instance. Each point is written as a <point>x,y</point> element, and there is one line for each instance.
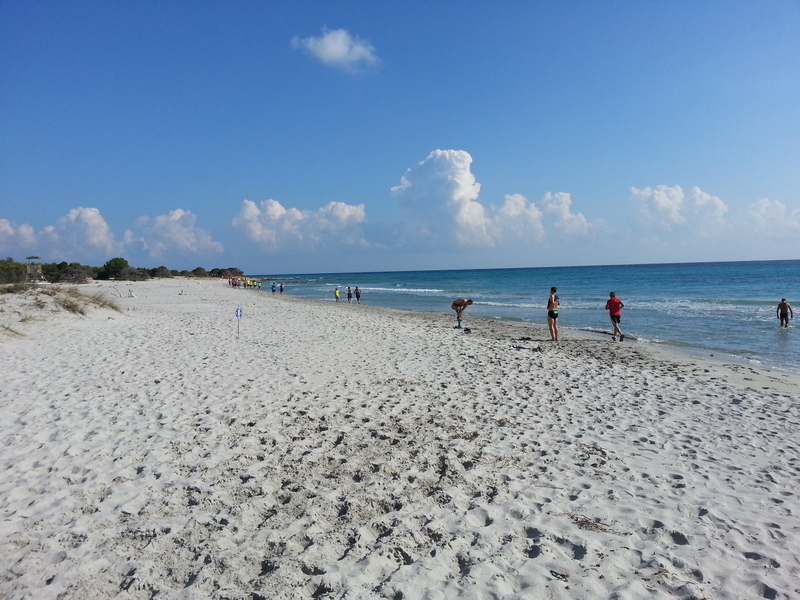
<point>726,308</point>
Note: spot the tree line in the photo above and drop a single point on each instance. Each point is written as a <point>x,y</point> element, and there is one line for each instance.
<point>116,268</point>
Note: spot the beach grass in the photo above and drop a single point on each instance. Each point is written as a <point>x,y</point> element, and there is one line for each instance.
<point>10,331</point>
<point>31,301</point>
<point>15,288</point>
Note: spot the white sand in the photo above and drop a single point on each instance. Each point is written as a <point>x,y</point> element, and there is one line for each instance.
<point>343,451</point>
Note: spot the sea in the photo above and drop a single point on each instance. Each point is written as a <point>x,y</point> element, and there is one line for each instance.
<point>727,309</point>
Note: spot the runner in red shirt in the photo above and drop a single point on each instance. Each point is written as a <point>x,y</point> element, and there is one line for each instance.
<point>614,307</point>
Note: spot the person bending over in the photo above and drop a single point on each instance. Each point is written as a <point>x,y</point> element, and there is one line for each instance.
<point>460,306</point>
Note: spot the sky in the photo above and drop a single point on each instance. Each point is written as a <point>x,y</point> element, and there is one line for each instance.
<point>311,137</point>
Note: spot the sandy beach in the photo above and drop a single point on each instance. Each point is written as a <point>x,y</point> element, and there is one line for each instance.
<point>353,452</point>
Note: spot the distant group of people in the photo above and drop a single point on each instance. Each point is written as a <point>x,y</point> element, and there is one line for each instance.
<point>244,283</point>
<point>350,294</point>
<point>614,307</point>
<point>253,284</point>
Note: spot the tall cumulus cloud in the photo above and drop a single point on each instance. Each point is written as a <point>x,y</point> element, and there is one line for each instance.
<point>440,199</point>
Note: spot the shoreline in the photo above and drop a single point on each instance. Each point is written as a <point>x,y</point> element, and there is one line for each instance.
<point>742,371</point>
<point>724,308</point>
<point>336,452</point>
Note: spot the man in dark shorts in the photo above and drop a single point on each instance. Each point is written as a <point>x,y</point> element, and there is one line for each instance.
<point>358,295</point>
<point>784,310</point>
<point>552,314</point>
<point>349,295</point>
<point>614,307</point>
<point>460,306</point>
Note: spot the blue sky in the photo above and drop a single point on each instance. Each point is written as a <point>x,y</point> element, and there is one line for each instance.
<point>309,136</point>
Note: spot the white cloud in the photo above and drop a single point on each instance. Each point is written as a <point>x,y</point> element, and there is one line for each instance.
<point>27,235</point>
<point>84,235</point>
<point>667,207</point>
<point>440,196</point>
<point>12,237</point>
<point>559,204</point>
<point>176,230</point>
<point>81,232</point>
<point>661,204</point>
<point>772,218</point>
<point>337,48</point>
<point>518,218</point>
<point>336,215</point>
<point>273,226</point>
<point>6,229</point>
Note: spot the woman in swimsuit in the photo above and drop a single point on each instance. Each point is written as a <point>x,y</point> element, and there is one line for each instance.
<point>552,314</point>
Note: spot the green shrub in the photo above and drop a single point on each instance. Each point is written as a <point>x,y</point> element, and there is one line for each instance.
<point>11,271</point>
<point>113,268</point>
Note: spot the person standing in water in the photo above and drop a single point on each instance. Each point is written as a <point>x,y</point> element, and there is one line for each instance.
<point>336,294</point>
<point>460,306</point>
<point>614,307</point>
<point>358,295</point>
<point>552,314</point>
<point>784,311</point>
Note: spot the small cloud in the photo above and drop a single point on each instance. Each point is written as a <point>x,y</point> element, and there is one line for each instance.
<point>176,230</point>
<point>559,204</point>
<point>772,218</point>
<point>667,207</point>
<point>517,218</point>
<point>273,226</point>
<point>12,237</point>
<point>661,205</point>
<point>337,215</point>
<point>337,48</point>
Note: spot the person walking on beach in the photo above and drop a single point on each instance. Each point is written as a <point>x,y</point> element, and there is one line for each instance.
<point>336,294</point>
<point>552,314</point>
<point>614,307</point>
<point>349,295</point>
<point>784,311</point>
<point>460,306</point>
<point>281,288</point>
<point>358,295</point>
